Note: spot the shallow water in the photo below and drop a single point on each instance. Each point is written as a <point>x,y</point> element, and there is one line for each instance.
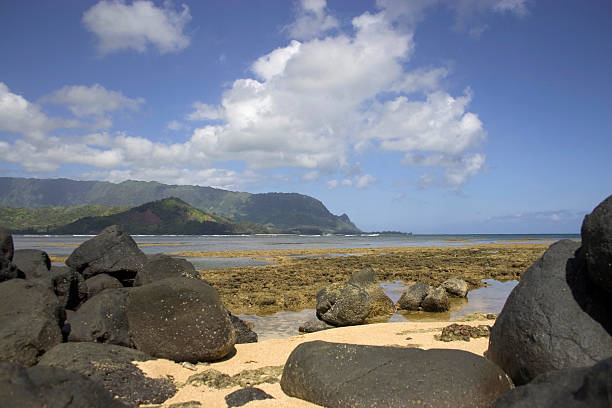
<point>488,299</point>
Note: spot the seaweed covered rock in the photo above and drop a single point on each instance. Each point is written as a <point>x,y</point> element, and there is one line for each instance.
<point>455,287</point>
<point>180,319</point>
<point>30,321</point>
<point>44,387</point>
<point>112,367</point>
<point>380,304</point>
<point>436,301</point>
<point>160,266</point>
<point>348,375</point>
<point>555,318</point>
<point>414,296</point>
<point>343,304</point>
<point>112,252</point>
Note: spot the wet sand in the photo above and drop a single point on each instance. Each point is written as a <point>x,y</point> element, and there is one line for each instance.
<point>292,282</point>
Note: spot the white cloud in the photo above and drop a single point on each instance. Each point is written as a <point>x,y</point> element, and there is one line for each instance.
<point>364,181</point>
<point>202,111</point>
<point>118,25</point>
<point>312,20</point>
<point>20,116</point>
<point>94,100</point>
<point>175,125</point>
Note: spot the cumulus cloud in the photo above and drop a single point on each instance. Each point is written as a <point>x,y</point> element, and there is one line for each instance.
<point>92,100</point>
<point>118,25</point>
<point>312,20</point>
<point>202,111</point>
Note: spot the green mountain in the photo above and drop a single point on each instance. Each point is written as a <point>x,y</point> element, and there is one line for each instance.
<point>286,212</point>
<point>165,216</point>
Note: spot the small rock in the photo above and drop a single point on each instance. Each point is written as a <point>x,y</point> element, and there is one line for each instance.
<point>455,287</point>
<point>414,296</point>
<point>343,304</point>
<point>187,404</point>
<point>188,365</point>
<point>314,325</point>
<point>243,396</point>
<point>436,301</point>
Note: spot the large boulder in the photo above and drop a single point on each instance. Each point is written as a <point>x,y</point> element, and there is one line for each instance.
<point>380,304</point>
<point>112,367</point>
<point>68,285</point>
<point>436,301</point>
<point>6,245</point>
<point>180,319</point>
<point>102,319</point>
<point>343,304</point>
<point>162,266</point>
<point>101,282</point>
<point>455,287</point>
<point>51,387</point>
<point>30,321</point>
<point>34,263</point>
<point>113,252</point>
<point>554,319</point>
<point>597,243</point>
<point>347,375</point>
<point>9,271</point>
<point>414,296</point>
<point>586,387</point>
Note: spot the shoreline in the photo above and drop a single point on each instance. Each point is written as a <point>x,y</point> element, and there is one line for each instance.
<point>292,281</point>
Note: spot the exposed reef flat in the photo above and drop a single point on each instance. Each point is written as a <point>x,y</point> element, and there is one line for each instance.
<point>296,276</point>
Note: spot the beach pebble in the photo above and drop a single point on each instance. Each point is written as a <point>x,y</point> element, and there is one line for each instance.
<point>597,243</point>
<point>555,318</point>
<point>414,296</point>
<point>243,396</point>
<point>455,287</point>
<point>436,301</point>
<point>348,375</point>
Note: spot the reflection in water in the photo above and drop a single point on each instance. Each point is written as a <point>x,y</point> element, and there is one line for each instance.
<point>489,299</point>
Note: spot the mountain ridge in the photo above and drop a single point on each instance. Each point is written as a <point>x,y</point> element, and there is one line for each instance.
<point>288,212</point>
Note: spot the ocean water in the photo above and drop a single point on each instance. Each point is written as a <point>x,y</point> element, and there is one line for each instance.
<point>63,245</point>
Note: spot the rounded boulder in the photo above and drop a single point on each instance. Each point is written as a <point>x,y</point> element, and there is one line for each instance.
<point>597,242</point>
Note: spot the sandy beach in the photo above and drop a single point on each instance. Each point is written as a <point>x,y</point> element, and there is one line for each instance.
<point>272,354</point>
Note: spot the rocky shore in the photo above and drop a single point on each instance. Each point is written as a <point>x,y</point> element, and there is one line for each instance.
<point>118,328</point>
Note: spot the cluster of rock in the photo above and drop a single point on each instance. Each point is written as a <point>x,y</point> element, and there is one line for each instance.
<point>109,306</point>
<point>555,330</point>
<point>421,296</point>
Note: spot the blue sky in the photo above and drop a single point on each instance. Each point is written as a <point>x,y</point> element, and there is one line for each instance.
<point>438,116</point>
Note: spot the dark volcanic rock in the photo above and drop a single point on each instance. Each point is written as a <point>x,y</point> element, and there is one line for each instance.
<point>30,321</point>
<point>244,334</point>
<point>347,375</point>
<point>555,318</point>
<point>597,243</point>
<point>162,266</point>
<point>436,301</point>
<point>343,304</point>
<point>68,285</point>
<point>113,252</point>
<point>414,296</point>
<point>51,387</point>
<point>102,319</point>
<point>101,282</point>
<point>314,325</point>
<point>180,319</point>
<point>455,287</point>
<point>9,271</point>
<point>380,304</point>
<point>6,245</point>
<point>464,332</point>
<point>111,366</point>
<point>586,387</point>
<point>32,262</point>
<point>245,395</point>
